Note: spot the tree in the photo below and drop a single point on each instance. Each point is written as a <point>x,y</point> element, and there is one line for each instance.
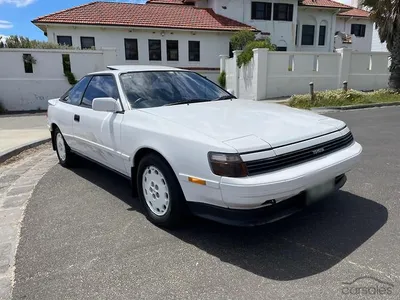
<point>386,15</point>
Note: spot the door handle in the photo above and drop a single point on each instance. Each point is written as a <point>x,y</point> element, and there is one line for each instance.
<point>77,118</point>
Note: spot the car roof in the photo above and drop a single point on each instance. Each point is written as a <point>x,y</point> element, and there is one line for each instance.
<point>136,68</point>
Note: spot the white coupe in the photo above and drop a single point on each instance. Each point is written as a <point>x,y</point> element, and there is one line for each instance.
<point>189,146</point>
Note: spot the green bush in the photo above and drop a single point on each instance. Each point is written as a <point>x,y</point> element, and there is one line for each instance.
<point>342,98</point>
<point>15,41</point>
<point>222,79</point>
<point>2,109</point>
<point>241,38</point>
<point>245,57</point>
<point>71,78</point>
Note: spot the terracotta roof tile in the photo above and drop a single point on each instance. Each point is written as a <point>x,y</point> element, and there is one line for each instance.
<point>324,3</point>
<point>140,15</point>
<point>166,1</point>
<point>355,12</point>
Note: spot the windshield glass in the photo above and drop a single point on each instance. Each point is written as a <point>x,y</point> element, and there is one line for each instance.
<point>158,88</point>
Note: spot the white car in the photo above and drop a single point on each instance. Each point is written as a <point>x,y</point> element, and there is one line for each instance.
<point>190,146</point>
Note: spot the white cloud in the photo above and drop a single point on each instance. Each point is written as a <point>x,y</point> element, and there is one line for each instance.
<point>5,24</point>
<point>18,3</point>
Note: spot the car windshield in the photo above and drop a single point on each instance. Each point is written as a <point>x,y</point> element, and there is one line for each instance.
<point>163,88</point>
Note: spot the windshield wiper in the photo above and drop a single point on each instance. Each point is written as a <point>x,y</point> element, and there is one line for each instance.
<point>187,102</point>
<point>226,97</point>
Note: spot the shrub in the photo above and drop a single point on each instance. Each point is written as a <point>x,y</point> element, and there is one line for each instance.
<point>15,41</point>
<point>342,98</point>
<point>222,79</point>
<point>2,109</point>
<point>241,38</point>
<point>245,57</point>
<point>71,78</point>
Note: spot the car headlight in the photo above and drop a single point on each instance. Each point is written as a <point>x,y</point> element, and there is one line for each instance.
<point>227,164</point>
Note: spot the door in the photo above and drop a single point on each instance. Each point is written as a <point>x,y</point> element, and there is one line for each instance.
<point>98,134</point>
<point>65,110</point>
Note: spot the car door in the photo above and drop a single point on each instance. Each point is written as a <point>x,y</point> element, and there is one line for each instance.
<point>98,134</point>
<point>64,111</point>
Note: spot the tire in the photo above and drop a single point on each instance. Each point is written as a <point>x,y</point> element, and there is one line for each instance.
<point>64,154</point>
<point>160,192</point>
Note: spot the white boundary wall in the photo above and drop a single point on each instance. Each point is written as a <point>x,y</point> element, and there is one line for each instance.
<point>280,74</point>
<point>30,91</point>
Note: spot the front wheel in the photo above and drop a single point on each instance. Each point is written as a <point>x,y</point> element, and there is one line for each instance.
<point>159,192</point>
<point>65,157</point>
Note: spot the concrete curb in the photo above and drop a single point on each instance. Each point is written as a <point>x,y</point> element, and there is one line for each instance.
<point>358,106</point>
<point>17,150</point>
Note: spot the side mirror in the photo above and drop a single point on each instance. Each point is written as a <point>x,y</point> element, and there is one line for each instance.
<point>106,104</point>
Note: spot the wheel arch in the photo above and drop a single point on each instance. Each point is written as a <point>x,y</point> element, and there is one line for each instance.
<point>140,153</point>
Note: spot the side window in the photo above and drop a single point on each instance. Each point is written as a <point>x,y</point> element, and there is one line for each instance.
<point>74,95</point>
<point>100,86</point>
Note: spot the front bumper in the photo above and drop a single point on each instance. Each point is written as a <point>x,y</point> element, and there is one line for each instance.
<point>254,191</point>
<point>259,216</point>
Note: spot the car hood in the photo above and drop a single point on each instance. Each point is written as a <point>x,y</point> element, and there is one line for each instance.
<point>249,125</point>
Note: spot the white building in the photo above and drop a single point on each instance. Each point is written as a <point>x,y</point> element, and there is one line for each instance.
<point>193,33</point>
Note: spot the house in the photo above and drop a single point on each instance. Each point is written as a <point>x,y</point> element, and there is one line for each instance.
<point>193,33</point>
<point>356,24</point>
<point>155,33</point>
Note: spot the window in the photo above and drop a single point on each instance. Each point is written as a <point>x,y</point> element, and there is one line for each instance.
<point>100,86</point>
<point>230,50</point>
<point>358,30</point>
<point>131,49</point>
<point>194,51</point>
<point>172,50</point>
<point>74,95</point>
<point>66,61</point>
<point>322,33</point>
<point>28,63</point>
<point>297,34</point>
<point>261,10</point>
<point>283,12</point>
<point>64,40</point>
<point>87,42</point>
<point>158,88</point>
<point>154,49</point>
<point>281,48</point>
<point>307,35</point>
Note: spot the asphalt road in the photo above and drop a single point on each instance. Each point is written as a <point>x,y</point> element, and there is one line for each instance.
<point>83,237</point>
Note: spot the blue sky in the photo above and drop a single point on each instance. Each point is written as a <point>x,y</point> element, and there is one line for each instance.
<point>16,15</point>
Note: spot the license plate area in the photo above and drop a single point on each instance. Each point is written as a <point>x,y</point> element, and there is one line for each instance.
<point>320,191</point>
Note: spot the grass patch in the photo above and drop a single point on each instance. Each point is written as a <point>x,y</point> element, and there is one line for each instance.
<point>341,98</point>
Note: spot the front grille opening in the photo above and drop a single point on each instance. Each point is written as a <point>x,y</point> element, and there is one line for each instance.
<point>286,160</point>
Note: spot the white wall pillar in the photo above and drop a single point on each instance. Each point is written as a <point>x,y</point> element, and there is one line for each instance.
<point>236,73</point>
<point>222,62</point>
<point>109,56</point>
<point>260,73</point>
<point>344,65</point>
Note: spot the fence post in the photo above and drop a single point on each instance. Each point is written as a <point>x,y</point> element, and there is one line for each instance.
<point>236,74</point>
<point>345,86</point>
<point>344,65</point>
<point>312,94</point>
<point>260,73</point>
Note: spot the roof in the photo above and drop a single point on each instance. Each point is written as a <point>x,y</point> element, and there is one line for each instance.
<point>355,12</point>
<point>139,15</point>
<point>142,68</point>
<point>348,11</point>
<point>166,1</point>
<point>324,4</point>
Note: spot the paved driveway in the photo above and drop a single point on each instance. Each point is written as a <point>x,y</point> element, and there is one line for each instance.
<point>84,238</point>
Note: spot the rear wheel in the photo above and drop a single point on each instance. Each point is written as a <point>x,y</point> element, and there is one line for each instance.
<point>159,192</point>
<point>65,156</point>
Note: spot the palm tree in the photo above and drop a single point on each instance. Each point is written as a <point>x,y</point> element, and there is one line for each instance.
<point>386,15</point>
